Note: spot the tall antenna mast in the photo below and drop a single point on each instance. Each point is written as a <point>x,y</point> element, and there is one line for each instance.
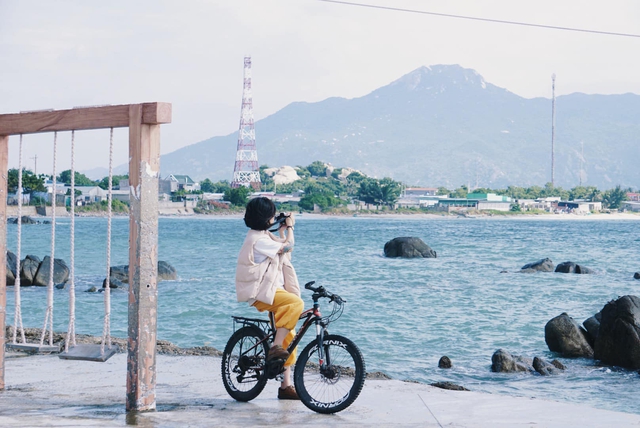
<point>581,160</point>
<point>553,127</point>
<point>246,172</point>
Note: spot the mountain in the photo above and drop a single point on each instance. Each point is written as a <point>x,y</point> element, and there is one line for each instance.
<point>443,125</point>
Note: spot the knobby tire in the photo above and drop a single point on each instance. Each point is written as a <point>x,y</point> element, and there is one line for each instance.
<point>254,375</point>
<point>337,388</point>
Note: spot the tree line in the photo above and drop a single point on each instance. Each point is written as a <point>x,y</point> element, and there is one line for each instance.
<point>611,198</point>
<point>329,190</point>
<point>318,188</point>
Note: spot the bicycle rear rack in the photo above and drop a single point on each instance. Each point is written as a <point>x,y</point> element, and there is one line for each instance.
<point>262,324</point>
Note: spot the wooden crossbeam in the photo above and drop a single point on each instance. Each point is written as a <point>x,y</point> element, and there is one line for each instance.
<point>81,118</point>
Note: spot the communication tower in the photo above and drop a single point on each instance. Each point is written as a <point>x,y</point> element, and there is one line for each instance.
<point>246,172</point>
<point>553,127</point>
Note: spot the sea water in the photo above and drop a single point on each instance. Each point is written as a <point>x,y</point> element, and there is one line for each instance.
<point>404,314</point>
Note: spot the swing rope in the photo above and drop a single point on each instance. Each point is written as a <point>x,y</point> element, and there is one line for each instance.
<point>106,330</point>
<point>71,332</point>
<point>17,320</point>
<point>48,319</point>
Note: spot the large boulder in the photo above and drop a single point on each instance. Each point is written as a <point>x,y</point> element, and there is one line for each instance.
<point>618,341</point>
<point>12,263</point>
<point>565,336</point>
<point>571,267</point>
<point>543,265</point>
<point>408,247</point>
<point>28,269</point>
<point>504,362</point>
<point>60,272</point>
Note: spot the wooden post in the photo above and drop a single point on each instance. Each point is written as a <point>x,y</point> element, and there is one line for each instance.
<point>4,157</point>
<point>144,167</point>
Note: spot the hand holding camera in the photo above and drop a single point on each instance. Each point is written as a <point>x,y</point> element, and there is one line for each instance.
<point>282,220</point>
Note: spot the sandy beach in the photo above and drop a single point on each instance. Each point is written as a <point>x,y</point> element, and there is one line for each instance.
<point>44,390</point>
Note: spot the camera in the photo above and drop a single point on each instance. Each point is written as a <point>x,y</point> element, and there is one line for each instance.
<point>278,221</point>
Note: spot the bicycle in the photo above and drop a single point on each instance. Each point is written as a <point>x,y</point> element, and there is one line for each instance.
<point>329,373</point>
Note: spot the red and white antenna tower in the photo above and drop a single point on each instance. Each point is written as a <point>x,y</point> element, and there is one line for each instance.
<point>246,171</point>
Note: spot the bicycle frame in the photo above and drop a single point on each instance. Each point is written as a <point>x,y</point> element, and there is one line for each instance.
<point>310,316</point>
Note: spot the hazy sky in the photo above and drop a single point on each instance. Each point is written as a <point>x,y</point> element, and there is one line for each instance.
<point>61,54</point>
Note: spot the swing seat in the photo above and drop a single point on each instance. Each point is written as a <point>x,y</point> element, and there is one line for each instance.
<point>89,353</point>
<point>33,348</point>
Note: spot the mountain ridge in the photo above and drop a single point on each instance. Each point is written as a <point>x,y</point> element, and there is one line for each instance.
<point>442,125</point>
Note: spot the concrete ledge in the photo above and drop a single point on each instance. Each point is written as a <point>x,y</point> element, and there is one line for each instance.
<point>47,391</point>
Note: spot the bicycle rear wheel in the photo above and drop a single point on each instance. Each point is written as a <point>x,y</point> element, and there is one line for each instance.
<point>243,364</point>
<point>335,387</point>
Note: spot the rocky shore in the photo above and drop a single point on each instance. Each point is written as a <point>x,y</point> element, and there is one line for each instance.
<point>163,347</point>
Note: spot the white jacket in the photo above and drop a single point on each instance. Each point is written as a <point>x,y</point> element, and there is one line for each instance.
<point>258,281</point>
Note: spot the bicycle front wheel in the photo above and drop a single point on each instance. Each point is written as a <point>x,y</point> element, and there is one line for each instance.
<point>243,364</point>
<point>334,386</point>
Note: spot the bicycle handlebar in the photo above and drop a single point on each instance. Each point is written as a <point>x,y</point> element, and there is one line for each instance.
<point>322,292</point>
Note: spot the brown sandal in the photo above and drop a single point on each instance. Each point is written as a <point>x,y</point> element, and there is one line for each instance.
<point>288,393</point>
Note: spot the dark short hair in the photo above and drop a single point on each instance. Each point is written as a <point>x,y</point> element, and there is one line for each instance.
<point>259,211</point>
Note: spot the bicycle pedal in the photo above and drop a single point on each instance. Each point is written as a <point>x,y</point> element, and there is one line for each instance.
<point>275,368</point>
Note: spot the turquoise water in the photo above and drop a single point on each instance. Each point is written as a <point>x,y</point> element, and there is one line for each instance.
<point>404,314</point>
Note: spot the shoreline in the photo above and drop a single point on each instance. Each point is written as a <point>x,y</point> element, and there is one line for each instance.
<point>428,216</point>
<point>464,215</point>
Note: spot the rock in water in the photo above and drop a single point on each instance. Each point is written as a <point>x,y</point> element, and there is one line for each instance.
<point>571,267</point>
<point>543,265</point>
<point>166,272</point>
<point>565,336</point>
<point>618,341</point>
<point>503,362</point>
<point>28,269</point>
<point>445,362</point>
<point>592,325</point>
<point>60,272</point>
<point>12,263</point>
<point>544,368</point>
<point>408,247</point>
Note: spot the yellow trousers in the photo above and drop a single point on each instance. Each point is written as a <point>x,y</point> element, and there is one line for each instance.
<point>286,308</point>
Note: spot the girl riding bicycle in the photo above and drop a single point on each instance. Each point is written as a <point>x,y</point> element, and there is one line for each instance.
<point>265,278</point>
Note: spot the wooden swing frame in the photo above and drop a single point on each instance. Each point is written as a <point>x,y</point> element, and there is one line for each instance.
<point>143,121</point>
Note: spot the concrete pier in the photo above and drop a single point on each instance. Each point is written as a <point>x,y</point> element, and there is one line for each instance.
<point>44,390</point>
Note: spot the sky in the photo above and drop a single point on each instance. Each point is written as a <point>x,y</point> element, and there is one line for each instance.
<point>68,53</point>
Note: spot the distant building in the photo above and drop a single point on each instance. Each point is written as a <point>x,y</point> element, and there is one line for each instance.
<point>174,183</point>
<point>633,197</point>
<point>579,207</point>
<point>479,201</point>
<point>411,192</point>
<point>631,206</point>
<point>491,197</point>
